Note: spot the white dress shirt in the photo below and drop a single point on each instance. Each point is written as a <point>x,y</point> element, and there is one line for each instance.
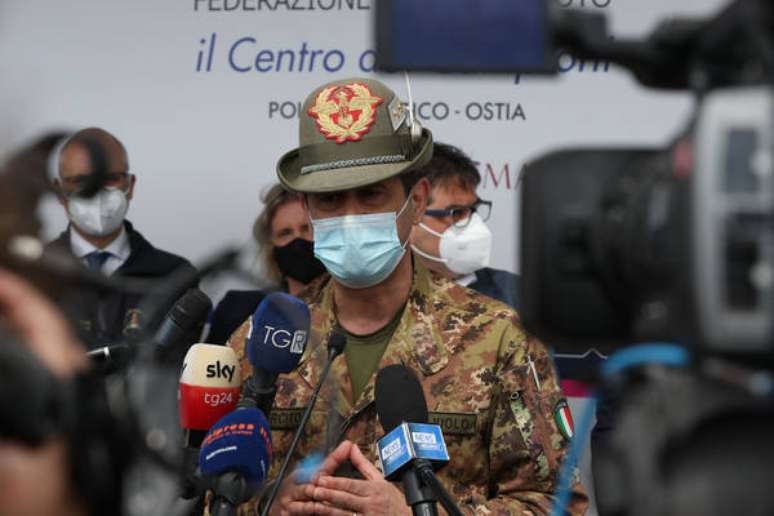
<point>466,279</point>
<point>119,250</point>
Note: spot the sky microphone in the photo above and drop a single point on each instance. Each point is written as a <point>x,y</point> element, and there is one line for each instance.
<point>208,390</point>
<point>279,330</point>
<point>209,385</point>
<point>410,447</point>
<point>235,458</point>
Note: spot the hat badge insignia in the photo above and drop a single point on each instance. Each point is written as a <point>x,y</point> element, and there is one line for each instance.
<point>345,112</point>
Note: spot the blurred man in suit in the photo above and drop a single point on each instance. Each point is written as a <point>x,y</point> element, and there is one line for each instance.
<point>100,237</point>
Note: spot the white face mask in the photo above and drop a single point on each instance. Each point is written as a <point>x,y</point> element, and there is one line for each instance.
<point>101,214</point>
<point>463,250</point>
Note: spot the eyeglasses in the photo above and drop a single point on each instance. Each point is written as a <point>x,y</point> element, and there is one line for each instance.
<point>77,183</point>
<point>460,215</point>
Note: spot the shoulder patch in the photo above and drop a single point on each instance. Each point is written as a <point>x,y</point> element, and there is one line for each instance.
<point>563,418</point>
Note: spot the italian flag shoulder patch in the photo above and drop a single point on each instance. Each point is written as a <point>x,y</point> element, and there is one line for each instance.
<point>563,418</point>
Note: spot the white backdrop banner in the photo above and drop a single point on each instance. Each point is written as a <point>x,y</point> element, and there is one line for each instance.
<point>205,94</point>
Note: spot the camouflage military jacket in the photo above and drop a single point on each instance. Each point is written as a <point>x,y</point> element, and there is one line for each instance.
<point>490,386</point>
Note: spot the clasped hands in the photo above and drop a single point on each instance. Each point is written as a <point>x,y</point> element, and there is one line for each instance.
<point>327,495</point>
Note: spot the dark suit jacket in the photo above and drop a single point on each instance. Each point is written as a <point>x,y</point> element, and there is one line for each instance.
<point>234,309</point>
<point>101,318</point>
<point>500,285</point>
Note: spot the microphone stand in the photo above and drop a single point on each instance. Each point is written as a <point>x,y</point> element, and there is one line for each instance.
<point>259,391</point>
<point>419,496</point>
<point>335,347</point>
<point>231,490</point>
<point>428,477</point>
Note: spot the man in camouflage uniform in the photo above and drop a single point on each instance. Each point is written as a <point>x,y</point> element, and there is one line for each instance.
<point>490,386</point>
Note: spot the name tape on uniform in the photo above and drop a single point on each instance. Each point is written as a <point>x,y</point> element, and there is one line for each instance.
<point>451,423</point>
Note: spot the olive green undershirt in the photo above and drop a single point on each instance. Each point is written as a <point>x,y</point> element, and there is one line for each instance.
<point>364,352</point>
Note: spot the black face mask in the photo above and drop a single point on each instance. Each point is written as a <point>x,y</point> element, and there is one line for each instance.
<point>296,260</point>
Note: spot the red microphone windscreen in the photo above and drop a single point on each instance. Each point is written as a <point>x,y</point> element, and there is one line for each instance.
<point>209,385</point>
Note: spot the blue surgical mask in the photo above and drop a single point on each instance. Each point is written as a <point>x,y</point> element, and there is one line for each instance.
<point>360,251</point>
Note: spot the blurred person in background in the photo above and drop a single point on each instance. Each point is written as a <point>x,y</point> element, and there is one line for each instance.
<point>99,235</point>
<point>453,239</point>
<point>283,234</point>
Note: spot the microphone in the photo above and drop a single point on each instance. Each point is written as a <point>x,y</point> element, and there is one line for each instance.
<point>410,446</point>
<point>208,390</point>
<point>114,354</point>
<point>181,327</point>
<point>209,385</point>
<point>275,344</point>
<point>336,345</point>
<point>235,458</point>
<point>408,442</point>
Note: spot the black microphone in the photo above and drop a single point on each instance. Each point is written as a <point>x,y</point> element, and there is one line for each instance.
<point>336,345</point>
<point>178,331</point>
<point>114,354</point>
<point>400,399</point>
<point>182,326</point>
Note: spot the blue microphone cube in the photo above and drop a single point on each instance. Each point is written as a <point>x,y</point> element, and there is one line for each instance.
<point>395,450</point>
<point>428,442</point>
<point>409,441</point>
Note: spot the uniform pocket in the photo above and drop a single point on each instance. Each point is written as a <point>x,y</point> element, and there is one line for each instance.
<point>524,420</point>
<point>464,423</point>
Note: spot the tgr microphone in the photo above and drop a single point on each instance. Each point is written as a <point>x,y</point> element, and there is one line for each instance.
<point>410,444</point>
<point>279,329</point>
<point>235,458</point>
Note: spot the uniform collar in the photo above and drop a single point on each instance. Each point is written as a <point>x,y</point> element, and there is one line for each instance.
<point>416,342</point>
